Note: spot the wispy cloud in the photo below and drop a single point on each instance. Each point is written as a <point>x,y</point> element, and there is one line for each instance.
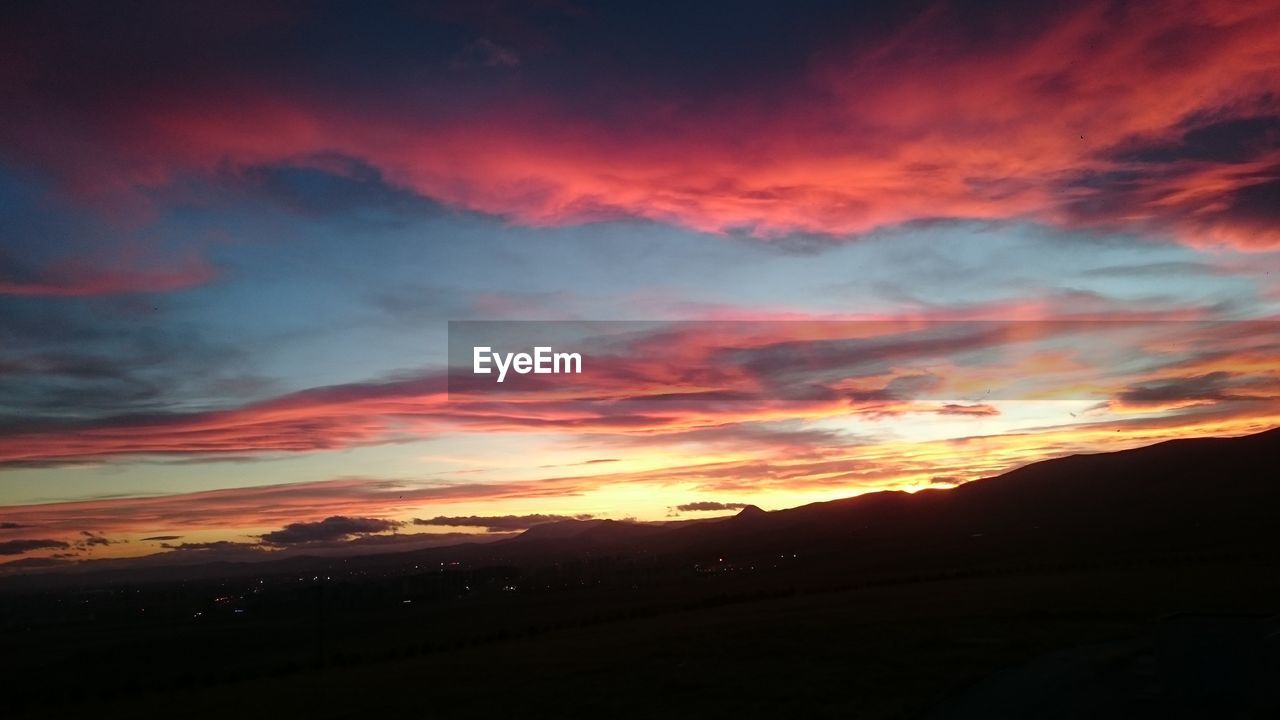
<point>18,547</point>
<point>710,506</point>
<point>498,523</point>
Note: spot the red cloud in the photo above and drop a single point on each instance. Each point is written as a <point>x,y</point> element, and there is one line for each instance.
<point>1087,119</point>
<point>82,278</point>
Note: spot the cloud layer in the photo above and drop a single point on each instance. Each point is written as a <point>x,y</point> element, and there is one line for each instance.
<point>1097,115</point>
<point>498,523</point>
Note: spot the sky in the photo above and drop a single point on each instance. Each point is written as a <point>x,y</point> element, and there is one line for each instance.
<point>810,249</point>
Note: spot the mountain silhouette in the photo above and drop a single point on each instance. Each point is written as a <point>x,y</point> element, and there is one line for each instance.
<point>1198,496</point>
<point>1180,495</point>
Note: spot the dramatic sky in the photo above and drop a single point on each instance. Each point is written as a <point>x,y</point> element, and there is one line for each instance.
<point>891,245</point>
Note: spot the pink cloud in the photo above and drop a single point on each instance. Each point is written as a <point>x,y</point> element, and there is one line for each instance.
<point>1049,124</point>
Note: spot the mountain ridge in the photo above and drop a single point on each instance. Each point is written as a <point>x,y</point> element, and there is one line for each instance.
<point>1172,496</point>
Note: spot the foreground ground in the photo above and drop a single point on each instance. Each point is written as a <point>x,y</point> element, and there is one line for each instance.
<point>1182,640</point>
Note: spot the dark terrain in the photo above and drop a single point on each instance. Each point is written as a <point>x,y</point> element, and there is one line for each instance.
<point>1138,583</point>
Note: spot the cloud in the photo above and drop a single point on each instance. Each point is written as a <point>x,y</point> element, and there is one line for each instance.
<point>217,545</point>
<point>340,546</point>
<point>709,506</point>
<point>1165,270</point>
<point>76,362</point>
<point>90,539</point>
<point>33,562</point>
<point>498,523</point>
<point>85,279</point>
<point>332,186</point>
<point>161,537</point>
<point>977,410</point>
<point>1212,387</point>
<point>10,526</point>
<point>682,380</point>
<point>1131,117</point>
<point>276,505</point>
<point>399,542</point>
<point>829,467</point>
<point>17,547</point>
<point>332,528</point>
<point>335,416</point>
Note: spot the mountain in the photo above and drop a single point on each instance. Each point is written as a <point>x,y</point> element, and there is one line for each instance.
<point>558,530</point>
<point>1194,496</point>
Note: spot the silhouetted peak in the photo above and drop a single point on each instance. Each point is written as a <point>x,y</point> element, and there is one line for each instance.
<point>559,529</point>
<point>750,511</point>
<point>610,530</point>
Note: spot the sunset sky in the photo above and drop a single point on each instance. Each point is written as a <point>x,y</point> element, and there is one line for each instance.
<point>876,246</point>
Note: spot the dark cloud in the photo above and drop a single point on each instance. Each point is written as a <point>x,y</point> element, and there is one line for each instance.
<point>337,527</point>
<point>11,525</point>
<point>161,537</point>
<point>73,361</point>
<point>34,562</point>
<point>294,432</point>
<point>17,547</point>
<point>906,387</point>
<point>346,545</point>
<point>498,523</point>
<point>1256,204</point>
<point>1214,386</point>
<point>836,358</point>
<point>400,541</point>
<point>332,185</point>
<point>217,545</point>
<point>709,506</point>
<point>91,540</point>
<point>1236,140</point>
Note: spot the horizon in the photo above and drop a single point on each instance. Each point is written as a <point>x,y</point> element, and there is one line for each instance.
<point>220,552</point>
